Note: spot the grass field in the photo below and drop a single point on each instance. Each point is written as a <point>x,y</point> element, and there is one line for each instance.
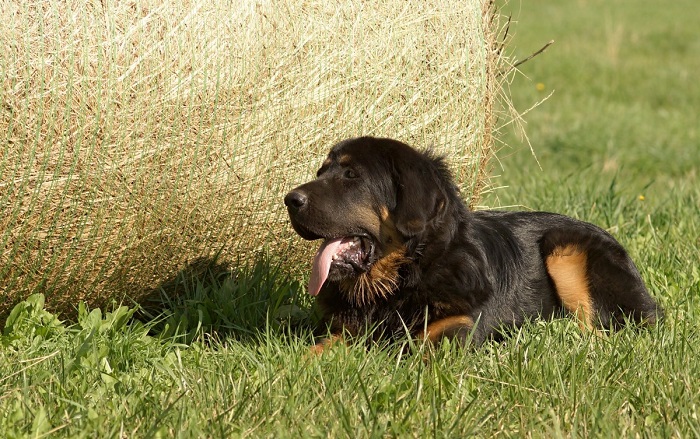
<point>617,144</point>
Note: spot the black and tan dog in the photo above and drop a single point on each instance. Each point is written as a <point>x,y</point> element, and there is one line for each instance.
<point>401,251</point>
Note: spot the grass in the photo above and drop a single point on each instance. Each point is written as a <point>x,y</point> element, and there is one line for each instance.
<point>620,127</point>
<point>623,102</point>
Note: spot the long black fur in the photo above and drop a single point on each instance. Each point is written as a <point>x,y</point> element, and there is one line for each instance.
<point>487,265</point>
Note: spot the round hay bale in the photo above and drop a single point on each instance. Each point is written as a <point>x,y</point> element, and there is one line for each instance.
<point>142,136</point>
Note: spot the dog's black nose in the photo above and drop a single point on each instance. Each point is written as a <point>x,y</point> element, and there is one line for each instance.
<point>295,200</point>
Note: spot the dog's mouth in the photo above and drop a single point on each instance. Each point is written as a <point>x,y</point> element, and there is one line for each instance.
<point>338,258</point>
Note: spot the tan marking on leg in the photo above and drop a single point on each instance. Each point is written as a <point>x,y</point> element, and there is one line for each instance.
<point>447,327</point>
<point>326,343</point>
<point>568,268</point>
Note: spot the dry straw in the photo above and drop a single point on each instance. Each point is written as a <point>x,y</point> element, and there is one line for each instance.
<point>139,136</point>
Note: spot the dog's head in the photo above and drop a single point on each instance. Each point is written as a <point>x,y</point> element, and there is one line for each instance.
<point>373,200</point>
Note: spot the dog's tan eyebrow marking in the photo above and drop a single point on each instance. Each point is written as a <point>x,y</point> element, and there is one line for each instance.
<point>567,265</point>
<point>345,159</point>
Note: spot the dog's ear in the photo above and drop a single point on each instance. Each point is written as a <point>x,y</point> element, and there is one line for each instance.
<point>420,195</point>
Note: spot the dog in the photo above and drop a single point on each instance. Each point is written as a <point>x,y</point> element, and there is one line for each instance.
<point>401,253</point>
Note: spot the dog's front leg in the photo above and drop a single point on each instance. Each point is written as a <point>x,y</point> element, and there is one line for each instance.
<point>451,327</point>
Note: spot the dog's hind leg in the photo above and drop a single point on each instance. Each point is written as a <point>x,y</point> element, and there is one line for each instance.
<point>568,268</point>
<point>617,288</point>
<point>596,279</point>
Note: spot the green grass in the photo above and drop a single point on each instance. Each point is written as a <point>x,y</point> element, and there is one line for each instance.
<point>624,97</point>
<point>229,357</point>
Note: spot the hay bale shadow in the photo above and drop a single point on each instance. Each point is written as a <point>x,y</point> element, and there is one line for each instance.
<point>209,299</point>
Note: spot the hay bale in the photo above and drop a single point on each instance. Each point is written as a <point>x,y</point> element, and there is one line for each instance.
<point>139,136</point>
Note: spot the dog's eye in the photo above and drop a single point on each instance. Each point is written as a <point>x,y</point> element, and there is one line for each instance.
<point>349,173</point>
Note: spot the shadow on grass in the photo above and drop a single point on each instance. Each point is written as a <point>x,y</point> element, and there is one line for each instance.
<point>210,299</point>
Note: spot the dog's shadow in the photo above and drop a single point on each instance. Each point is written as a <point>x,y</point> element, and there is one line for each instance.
<point>209,299</point>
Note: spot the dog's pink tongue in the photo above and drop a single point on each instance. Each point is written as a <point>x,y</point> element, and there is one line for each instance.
<point>322,264</point>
